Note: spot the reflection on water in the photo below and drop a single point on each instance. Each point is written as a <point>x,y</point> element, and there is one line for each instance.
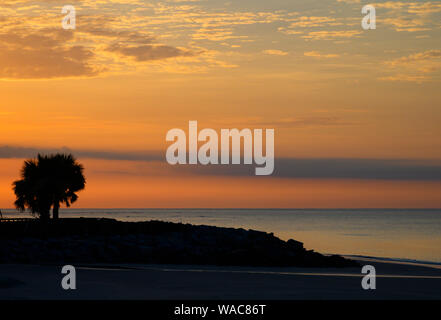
<point>397,233</point>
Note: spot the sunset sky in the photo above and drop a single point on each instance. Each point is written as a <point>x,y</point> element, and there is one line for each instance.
<point>356,113</point>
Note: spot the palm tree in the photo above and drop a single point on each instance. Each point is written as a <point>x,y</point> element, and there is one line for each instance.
<point>48,181</point>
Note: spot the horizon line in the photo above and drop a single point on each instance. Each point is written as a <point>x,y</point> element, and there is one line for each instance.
<point>232,208</point>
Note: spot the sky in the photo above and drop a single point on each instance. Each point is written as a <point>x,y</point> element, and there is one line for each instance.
<point>356,112</point>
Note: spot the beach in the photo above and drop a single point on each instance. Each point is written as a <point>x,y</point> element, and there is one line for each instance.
<point>395,280</point>
<point>154,260</point>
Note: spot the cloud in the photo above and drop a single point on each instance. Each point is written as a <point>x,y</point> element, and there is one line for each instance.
<point>283,122</point>
<point>275,52</point>
<point>409,16</point>
<point>319,55</point>
<point>331,35</point>
<point>405,78</point>
<point>36,47</point>
<point>303,122</point>
<point>178,36</point>
<point>415,67</point>
<point>416,57</point>
<point>388,169</point>
<point>334,168</point>
<point>420,8</point>
<point>29,152</point>
<point>46,54</point>
<point>149,52</point>
<point>301,168</point>
<point>406,24</point>
<point>321,28</point>
<point>314,21</point>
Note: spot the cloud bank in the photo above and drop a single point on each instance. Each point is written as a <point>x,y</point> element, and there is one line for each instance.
<point>300,168</point>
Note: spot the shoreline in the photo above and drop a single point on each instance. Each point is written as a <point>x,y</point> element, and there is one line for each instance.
<point>324,230</point>
<point>353,256</point>
<point>404,261</point>
<point>137,260</point>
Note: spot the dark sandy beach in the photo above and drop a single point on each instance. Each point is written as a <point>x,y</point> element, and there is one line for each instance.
<point>159,260</point>
<point>394,281</point>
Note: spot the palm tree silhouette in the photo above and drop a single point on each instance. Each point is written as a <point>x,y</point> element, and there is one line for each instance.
<point>48,181</point>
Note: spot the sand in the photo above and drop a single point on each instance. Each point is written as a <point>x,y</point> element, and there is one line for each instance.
<point>395,280</point>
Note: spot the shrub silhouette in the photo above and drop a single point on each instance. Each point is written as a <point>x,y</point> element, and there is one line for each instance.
<point>48,181</point>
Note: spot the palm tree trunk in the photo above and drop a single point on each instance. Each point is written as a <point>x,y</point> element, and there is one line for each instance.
<point>44,215</point>
<point>55,210</point>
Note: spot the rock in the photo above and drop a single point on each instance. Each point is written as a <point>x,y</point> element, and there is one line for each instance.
<point>294,244</point>
<point>106,240</point>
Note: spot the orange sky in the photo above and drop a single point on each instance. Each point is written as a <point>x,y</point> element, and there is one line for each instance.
<point>133,70</point>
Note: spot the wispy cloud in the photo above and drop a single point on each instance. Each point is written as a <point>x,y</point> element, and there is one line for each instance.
<point>316,54</point>
<point>332,35</point>
<point>176,36</point>
<point>275,52</point>
<point>429,55</point>
<point>148,52</point>
<point>416,67</point>
<point>420,8</point>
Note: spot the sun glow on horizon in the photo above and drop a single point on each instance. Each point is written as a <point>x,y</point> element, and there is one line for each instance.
<point>132,70</point>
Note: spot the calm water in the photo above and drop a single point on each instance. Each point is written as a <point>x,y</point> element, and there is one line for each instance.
<point>399,233</point>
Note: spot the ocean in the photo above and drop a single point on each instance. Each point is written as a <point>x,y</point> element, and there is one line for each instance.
<point>403,234</point>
